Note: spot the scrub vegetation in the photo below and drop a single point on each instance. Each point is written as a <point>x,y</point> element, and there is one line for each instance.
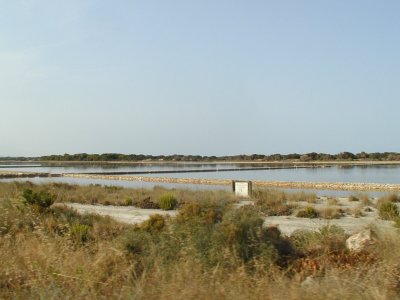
<point>306,157</point>
<point>212,249</point>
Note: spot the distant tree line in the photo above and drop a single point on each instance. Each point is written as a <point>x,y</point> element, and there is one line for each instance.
<point>19,158</point>
<point>313,156</point>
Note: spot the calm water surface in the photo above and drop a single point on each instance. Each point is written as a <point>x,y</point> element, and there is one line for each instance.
<point>368,174</point>
<point>372,174</point>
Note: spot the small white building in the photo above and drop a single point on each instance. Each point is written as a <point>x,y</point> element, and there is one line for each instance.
<point>242,188</point>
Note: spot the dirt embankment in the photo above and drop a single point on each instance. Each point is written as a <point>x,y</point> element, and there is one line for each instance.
<point>15,174</point>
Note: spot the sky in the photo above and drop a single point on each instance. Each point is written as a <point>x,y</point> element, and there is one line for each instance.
<point>217,77</point>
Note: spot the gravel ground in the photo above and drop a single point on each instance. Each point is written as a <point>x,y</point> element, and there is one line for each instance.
<point>286,224</point>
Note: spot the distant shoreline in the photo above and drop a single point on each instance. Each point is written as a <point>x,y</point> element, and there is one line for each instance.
<point>215,162</point>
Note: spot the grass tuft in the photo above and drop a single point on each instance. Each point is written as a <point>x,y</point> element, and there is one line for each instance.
<point>308,212</point>
<point>167,202</point>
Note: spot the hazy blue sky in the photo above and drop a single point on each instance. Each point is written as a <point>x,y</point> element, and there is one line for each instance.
<point>199,77</point>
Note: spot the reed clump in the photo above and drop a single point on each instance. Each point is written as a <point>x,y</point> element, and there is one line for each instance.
<point>167,202</point>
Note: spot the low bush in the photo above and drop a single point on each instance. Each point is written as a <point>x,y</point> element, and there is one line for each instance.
<point>167,202</point>
<point>273,203</point>
<point>138,242</point>
<point>328,239</point>
<point>146,203</point>
<point>41,200</point>
<point>237,238</point>
<point>308,212</point>
<point>241,229</point>
<point>15,218</point>
<point>155,224</point>
<point>209,212</point>
<point>277,209</point>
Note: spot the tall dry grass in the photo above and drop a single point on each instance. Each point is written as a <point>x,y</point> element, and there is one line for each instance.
<point>112,195</point>
<point>210,251</point>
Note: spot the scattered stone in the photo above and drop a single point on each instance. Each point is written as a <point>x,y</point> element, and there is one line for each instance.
<point>360,241</point>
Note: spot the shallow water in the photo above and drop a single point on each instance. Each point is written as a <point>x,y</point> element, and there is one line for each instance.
<point>371,174</point>
<point>367,174</point>
<point>150,185</point>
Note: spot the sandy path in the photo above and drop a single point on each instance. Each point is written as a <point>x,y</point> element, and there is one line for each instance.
<point>288,224</point>
<point>125,214</point>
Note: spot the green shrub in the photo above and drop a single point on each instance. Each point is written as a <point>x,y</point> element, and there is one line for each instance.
<point>388,211</point>
<point>242,230</point>
<point>204,211</point>
<point>155,224</point>
<point>308,212</point>
<point>80,233</point>
<point>128,201</point>
<point>41,200</point>
<point>226,237</point>
<point>328,239</point>
<point>167,202</point>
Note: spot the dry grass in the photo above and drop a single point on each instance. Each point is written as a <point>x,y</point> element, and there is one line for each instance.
<point>333,201</point>
<point>356,212</point>
<point>330,213</point>
<point>273,202</point>
<point>365,199</point>
<point>113,195</point>
<point>302,197</point>
<point>308,212</point>
<point>210,251</point>
<point>278,203</point>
